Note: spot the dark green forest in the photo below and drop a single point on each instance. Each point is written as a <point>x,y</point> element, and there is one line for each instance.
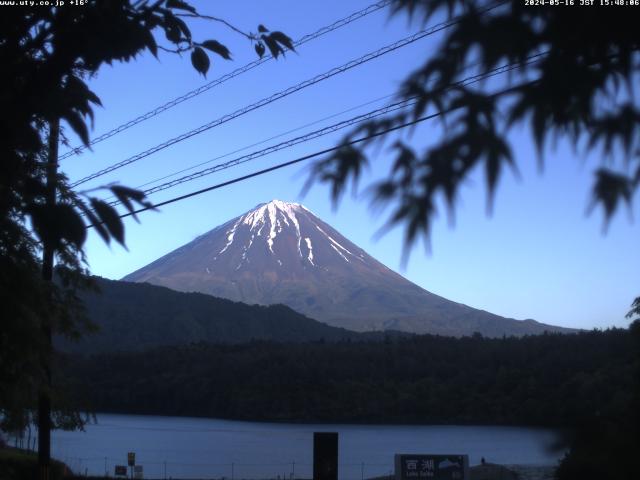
<point>546,380</point>
<point>140,316</point>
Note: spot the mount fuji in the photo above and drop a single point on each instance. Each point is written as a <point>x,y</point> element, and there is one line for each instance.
<point>281,253</point>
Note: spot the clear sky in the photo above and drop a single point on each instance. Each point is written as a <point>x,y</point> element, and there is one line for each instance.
<point>537,256</point>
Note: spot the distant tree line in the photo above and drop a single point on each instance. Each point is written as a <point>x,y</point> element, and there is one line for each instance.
<point>547,380</point>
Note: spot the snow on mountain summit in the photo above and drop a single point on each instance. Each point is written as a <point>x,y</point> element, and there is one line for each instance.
<point>276,214</point>
<point>279,222</point>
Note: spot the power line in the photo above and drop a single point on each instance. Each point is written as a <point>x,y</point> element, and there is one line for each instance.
<point>280,146</point>
<point>263,102</point>
<point>220,80</point>
<point>282,134</point>
<point>283,93</point>
<point>306,157</point>
<point>255,144</point>
<point>330,129</point>
<point>281,165</point>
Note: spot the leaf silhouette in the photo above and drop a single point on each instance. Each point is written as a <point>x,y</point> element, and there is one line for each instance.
<point>200,60</point>
<point>218,48</point>
<point>273,46</point>
<point>70,226</point>
<point>78,125</point>
<point>283,39</point>
<point>96,223</point>
<point>125,195</point>
<point>109,217</point>
<point>609,190</point>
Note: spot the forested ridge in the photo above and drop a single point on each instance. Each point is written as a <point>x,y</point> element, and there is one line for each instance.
<point>140,316</point>
<point>550,380</point>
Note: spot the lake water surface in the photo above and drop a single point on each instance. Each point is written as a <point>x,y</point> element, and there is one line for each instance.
<point>182,447</point>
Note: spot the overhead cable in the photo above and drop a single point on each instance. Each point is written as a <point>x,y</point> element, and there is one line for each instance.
<point>263,141</point>
<point>328,129</point>
<point>277,96</point>
<point>280,146</point>
<point>220,80</point>
<point>309,156</point>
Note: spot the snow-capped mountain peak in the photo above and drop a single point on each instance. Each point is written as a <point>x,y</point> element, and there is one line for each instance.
<point>280,252</point>
<point>290,226</point>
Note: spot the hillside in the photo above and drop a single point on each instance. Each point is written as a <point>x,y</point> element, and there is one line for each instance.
<point>134,316</point>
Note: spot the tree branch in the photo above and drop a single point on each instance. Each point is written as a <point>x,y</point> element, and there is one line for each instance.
<point>220,20</point>
<point>170,50</point>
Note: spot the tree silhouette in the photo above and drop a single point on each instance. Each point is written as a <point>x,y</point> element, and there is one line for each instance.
<point>47,53</point>
<point>571,77</point>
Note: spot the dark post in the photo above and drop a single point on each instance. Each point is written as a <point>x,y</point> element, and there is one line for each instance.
<point>44,397</point>
<point>325,456</point>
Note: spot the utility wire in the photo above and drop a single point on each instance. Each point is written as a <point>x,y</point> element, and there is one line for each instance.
<point>281,165</point>
<point>274,137</point>
<point>275,148</point>
<point>283,93</point>
<point>261,142</point>
<point>330,129</point>
<point>220,80</point>
<point>255,144</point>
<point>263,102</point>
<point>309,156</point>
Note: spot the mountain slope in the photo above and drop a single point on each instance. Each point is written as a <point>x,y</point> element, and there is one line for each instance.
<point>133,317</point>
<point>281,253</point>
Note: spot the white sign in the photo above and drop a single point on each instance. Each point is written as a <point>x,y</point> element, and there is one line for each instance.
<point>431,467</point>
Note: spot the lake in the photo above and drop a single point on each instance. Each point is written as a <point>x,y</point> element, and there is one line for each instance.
<point>182,447</point>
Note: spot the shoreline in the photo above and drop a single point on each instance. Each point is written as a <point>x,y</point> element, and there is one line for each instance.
<point>380,423</point>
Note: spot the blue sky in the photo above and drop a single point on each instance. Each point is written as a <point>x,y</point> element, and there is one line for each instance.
<point>537,256</point>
